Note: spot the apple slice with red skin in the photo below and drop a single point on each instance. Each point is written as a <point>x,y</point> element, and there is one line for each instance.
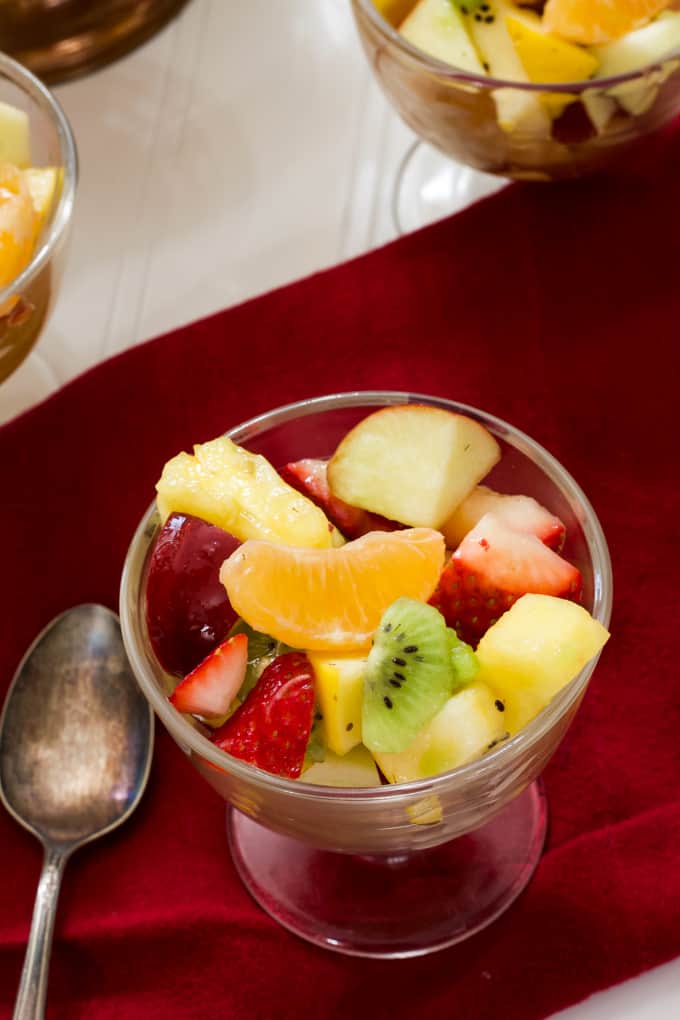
<point>412,463</point>
<point>187,610</point>
<point>309,477</point>
<point>491,568</point>
<point>521,513</point>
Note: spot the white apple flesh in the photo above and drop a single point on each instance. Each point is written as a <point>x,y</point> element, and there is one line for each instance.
<point>412,463</point>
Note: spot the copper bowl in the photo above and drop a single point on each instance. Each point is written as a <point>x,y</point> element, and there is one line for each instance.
<point>60,39</point>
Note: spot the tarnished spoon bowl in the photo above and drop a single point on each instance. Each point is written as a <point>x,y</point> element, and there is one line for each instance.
<point>76,739</point>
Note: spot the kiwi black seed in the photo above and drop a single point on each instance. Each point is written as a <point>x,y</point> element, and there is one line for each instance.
<point>409,675</point>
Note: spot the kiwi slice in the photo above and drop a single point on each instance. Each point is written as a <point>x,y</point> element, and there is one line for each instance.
<point>316,745</point>
<point>470,6</point>
<point>409,675</point>
<point>464,661</point>
<point>262,649</point>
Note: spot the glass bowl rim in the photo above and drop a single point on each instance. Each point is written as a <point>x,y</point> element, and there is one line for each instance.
<point>529,735</point>
<point>25,80</point>
<point>443,70</point>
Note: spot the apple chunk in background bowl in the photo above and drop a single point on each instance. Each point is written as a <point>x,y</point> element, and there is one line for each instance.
<point>492,86</point>
<point>400,870</point>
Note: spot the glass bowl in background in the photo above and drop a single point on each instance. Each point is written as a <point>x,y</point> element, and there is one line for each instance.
<point>564,131</point>
<point>26,301</point>
<point>59,39</point>
<point>400,870</point>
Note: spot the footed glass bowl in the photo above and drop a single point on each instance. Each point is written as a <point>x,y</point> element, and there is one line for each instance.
<point>518,130</point>
<point>393,871</point>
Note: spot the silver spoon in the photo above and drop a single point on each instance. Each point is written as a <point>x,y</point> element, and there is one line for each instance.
<point>76,737</point>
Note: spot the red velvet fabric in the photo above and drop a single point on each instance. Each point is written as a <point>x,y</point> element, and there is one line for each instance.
<point>557,308</point>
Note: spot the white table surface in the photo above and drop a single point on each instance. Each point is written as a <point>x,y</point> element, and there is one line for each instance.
<point>245,146</point>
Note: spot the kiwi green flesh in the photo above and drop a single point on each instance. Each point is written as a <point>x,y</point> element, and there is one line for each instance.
<point>262,649</point>
<point>463,659</point>
<point>409,675</point>
<point>316,745</point>
<point>467,6</point>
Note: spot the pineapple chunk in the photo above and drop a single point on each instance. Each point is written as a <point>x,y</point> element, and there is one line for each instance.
<point>339,690</point>
<point>437,28</point>
<point>468,725</point>
<point>428,811</point>
<point>15,136</point>
<point>546,58</point>
<point>356,768</point>
<point>43,183</point>
<point>534,650</point>
<point>240,492</point>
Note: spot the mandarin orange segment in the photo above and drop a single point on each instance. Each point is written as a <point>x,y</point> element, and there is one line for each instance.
<point>18,224</point>
<point>331,599</point>
<point>598,21</point>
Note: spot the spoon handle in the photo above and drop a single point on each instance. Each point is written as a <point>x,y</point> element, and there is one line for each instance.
<point>30,1004</point>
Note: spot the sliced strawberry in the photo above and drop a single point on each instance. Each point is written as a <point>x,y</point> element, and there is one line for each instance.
<point>210,689</point>
<point>271,728</point>
<point>309,477</point>
<point>489,571</point>
<point>521,513</point>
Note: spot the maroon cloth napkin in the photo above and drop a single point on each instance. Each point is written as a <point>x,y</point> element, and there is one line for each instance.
<point>557,308</point>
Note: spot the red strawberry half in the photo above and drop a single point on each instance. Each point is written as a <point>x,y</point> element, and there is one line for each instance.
<point>210,689</point>
<point>271,728</point>
<point>491,568</point>
<point>309,477</point>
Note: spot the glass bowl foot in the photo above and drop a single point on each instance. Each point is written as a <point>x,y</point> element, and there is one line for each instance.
<point>397,905</point>
<point>430,186</point>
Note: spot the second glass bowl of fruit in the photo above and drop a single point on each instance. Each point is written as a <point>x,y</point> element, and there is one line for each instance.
<point>38,171</point>
<point>527,90</point>
<point>374,663</point>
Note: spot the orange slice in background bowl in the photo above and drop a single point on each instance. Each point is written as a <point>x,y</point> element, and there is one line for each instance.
<point>18,227</point>
<point>598,21</point>
<point>331,599</point>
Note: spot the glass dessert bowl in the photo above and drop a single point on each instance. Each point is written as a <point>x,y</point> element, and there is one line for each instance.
<point>61,40</point>
<point>37,155</point>
<point>405,869</point>
<point>537,129</point>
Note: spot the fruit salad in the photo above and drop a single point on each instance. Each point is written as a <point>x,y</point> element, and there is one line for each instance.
<point>377,617</point>
<point>27,196</point>
<point>548,43</point>
<point>524,89</point>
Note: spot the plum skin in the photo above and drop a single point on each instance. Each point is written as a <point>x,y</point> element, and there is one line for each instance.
<point>187,609</point>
